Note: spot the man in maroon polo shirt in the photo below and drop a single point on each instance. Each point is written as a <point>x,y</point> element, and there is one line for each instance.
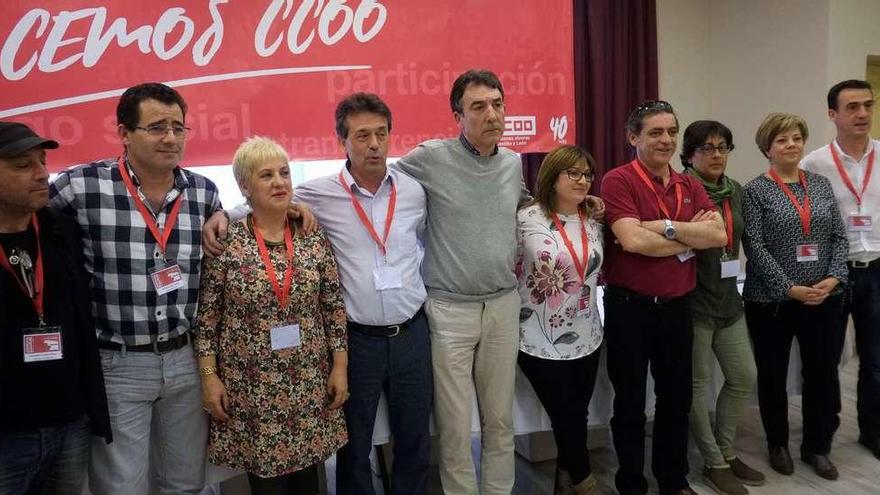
<point>657,217</point>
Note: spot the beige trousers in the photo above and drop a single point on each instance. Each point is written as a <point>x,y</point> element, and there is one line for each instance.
<point>474,347</point>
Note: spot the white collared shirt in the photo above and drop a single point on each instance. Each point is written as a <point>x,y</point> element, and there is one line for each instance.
<point>358,255</point>
<point>863,246</point>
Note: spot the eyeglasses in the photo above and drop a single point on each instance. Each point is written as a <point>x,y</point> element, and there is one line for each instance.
<point>576,175</point>
<point>161,130</point>
<point>709,148</point>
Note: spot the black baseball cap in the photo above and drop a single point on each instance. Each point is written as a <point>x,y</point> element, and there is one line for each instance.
<point>16,138</point>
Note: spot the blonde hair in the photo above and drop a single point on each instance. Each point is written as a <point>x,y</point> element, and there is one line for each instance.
<point>252,153</point>
<point>774,125</point>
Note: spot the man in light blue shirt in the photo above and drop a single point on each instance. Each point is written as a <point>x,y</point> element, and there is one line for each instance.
<point>374,218</point>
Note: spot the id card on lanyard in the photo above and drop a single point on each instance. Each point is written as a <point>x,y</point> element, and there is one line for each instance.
<point>387,276</point>
<point>44,342</point>
<point>807,251</point>
<point>855,221</point>
<point>679,200</point>
<point>729,267</point>
<point>583,307</point>
<point>286,335</point>
<point>166,277</point>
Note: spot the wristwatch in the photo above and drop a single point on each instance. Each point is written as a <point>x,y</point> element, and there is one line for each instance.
<point>669,231</point>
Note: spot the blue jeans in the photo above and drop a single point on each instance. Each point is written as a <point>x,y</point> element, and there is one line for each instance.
<point>46,461</point>
<point>401,366</point>
<point>864,306</point>
<point>155,403</point>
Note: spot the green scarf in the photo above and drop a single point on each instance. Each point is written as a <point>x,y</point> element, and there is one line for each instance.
<point>717,192</point>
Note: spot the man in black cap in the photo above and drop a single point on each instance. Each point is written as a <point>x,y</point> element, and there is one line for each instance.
<point>51,385</point>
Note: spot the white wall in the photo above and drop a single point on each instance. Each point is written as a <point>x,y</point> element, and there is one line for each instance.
<point>738,60</point>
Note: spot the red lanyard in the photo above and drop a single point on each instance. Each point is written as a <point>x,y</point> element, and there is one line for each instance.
<point>282,293</point>
<point>728,223</point>
<point>805,210</point>
<point>845,176</point>
<point>585,245</point>
<point>678,194</point>
<point>160,236</point>
<point>389,215</point>
<point>37,296</point>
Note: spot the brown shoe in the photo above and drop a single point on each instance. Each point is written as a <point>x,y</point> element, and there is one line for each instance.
<point>821,464</point>
<point>780,460</point>
<point>586,487</point>
<point>723,481</point>
<point>746,474</point>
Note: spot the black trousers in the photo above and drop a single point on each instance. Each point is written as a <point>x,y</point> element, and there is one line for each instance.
<point>820,332</point>
<point>564,388</point>
<point>303,482</point>
<point>640,332</point>
<point>864,305</point>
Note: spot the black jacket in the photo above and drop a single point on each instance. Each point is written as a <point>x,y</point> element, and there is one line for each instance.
<point>48,393</point>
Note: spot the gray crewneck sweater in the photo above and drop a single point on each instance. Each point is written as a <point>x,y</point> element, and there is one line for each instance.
<point>472,204</point>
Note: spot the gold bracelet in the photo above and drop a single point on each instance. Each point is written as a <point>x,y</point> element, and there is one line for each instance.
<point>207,370</point>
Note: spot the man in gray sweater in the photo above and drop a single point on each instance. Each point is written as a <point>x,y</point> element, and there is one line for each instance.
<point>473,189</point>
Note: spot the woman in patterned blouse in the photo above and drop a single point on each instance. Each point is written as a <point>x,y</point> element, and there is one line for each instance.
<point>796,246</point>
<point>272,341</point>
<point>559,256</point>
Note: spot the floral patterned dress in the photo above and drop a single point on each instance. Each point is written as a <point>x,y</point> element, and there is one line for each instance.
<point>559,317</point>
<point>280,422</point>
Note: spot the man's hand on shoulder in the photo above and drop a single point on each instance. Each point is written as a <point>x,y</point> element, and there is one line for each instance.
<point>214,233</point>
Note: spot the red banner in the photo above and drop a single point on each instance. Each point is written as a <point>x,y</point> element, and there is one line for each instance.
<point>278,67</point>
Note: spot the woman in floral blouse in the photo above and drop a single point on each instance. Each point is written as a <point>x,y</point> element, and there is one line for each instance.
<point>272,342</point>
<point>560,253</point>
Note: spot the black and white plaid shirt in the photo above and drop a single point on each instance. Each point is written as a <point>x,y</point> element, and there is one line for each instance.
<point>121,251</point>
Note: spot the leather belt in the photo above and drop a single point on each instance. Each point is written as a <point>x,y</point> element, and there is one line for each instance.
<point>388,331</point>
<point>875,263</point>
<point>154,347</point>
<point>617,291</point>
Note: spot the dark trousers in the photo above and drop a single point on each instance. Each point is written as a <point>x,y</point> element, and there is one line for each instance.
<point>639,332</point>
<point>51,460</point>
<point>820,332</point>
<point>401,367</point>
<point>864,305</point>
<point>302,482</point>
<point>564,388</point>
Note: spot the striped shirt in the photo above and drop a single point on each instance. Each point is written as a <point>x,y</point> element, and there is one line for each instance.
<point>120,250</point>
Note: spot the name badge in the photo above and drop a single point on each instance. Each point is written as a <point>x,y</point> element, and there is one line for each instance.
<point>583,307</point>
<point>685,255</point>
<point>167,278</point>
<point>729,268</point>
<point>285,337</point>
<point>387,277</point>
<point>807,252</point>
<point>42,344</point>
<point>859,223</point>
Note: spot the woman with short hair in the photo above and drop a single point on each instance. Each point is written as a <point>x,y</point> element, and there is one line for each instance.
<point>796,246</point>
<point>719,324</point>
<point>272,337</point>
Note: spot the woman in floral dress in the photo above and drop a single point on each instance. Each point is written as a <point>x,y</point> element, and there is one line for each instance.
<point>272,341</point>
<point>560,253</point>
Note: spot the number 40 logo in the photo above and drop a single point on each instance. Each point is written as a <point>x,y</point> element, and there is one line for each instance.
<point>559,127</point>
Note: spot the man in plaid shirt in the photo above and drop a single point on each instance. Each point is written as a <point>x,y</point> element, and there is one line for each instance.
<point>141,217</point>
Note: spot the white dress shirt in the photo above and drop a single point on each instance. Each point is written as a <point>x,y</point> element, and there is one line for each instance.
<point>358,255</point>
<point>863,246</point>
